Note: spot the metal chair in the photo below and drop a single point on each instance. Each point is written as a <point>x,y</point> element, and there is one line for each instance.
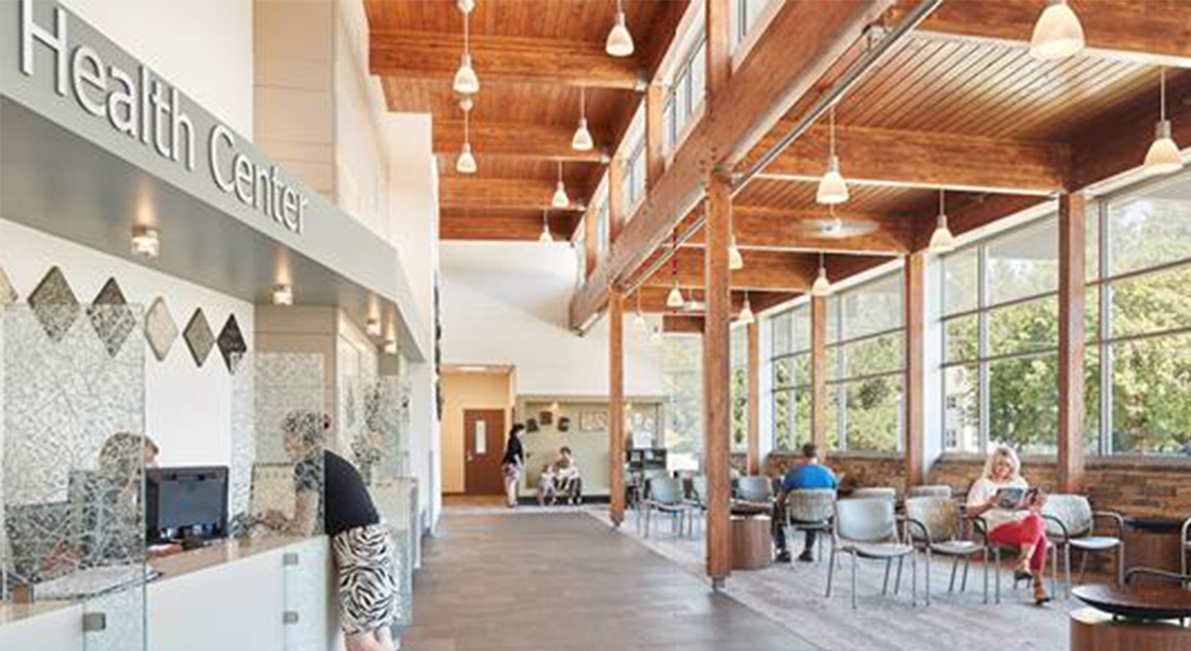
<point>810,509</point>
<point>981,526</point>
<point>936,524</point>
<point>1186,555</point>
<point>697,500</point>
<point>1070,524</point>
<point>867,528</point>
<point>938,490</point>
<point>878,493</point>
<point>666,496</point>
<point>754,489</point>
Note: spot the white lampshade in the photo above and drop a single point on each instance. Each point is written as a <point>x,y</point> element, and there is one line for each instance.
<point>639,323</point>
<point>822,286</point>
<point>735,260</point>
<point>942,240</point>
<point>1163,157</point>
<point>832,188</point>
<point>620,42</point>
<point>746,313</point>
<point>466,81</point>
<point>283,294</point>
<point>373,327</point>
<point>466,163</point>
<point>674,299</point>
<point>466,5</point>
<point>1057,34</point>
<point>546,237</point>
<point>391,347</point>
<point>582,140</point>
<point>145,242</point>
<point>656,335</point>
<point>560,199</point>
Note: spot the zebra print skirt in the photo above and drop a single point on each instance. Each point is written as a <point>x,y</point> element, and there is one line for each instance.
<point>366,560</point>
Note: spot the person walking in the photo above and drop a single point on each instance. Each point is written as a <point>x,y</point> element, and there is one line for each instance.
<point>512,463</point>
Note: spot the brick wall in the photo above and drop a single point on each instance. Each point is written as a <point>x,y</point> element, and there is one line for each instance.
<point>857,470</point>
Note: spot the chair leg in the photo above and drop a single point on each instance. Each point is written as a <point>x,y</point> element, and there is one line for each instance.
<point>1121,564</point>
<point>885,583</point>
<point>1067,561</point>
<point>985,564</point>
<point>853,581</point>
<point>954,568</point>
<point>927,576</point>
<point>914,579</point>
<point>997,570</point>
<point>1083,566</point>
<point>963,585</point>
<point>830,569</point>
<point>897,585</point>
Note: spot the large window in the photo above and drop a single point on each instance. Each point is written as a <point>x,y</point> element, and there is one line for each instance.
<point>747,13</point>
<point>1139,362</point>
<point>682,370</point>
<point>633,189</point>
<point>790,363</point>
<point>686,92</point>
<point>1000,341</point>
<point>866,366</point>
<point>739,356</point>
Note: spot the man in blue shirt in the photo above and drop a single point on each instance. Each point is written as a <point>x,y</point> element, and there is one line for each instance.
<point>809,473</point>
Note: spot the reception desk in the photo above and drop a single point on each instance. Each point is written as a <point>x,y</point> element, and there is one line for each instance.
<point>239,595</point>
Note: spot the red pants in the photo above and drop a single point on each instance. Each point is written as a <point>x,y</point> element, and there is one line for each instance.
<point>1031,531</point>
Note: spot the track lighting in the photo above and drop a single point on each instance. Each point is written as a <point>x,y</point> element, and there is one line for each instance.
<point>1163,156</point>
<point>466,81</point>
<point>832,187</point>
<point>822,286</point>
<point>582,140</point>
<point>145,243</point>
<point>942,240</point>
<point>560,199</point>
<point>283,294</point>
<point>620,41</point>
<point>1057,34</point>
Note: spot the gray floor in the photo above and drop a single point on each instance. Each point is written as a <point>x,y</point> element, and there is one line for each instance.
<point>565,582</point>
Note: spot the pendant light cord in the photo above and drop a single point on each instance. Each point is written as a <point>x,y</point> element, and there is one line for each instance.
<point>1162,87</point>
<point>466,40</point>
<point>831,120</point>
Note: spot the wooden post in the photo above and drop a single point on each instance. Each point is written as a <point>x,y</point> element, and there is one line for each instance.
<point>1072,305</point>
<point>754,434</point>
<point>616,198</point>
<point>616,406</point>
<point>819,373</point>
<point>655,134</point>
<point>590,234</point>
<point>915,404</point>
<point>717,399</point>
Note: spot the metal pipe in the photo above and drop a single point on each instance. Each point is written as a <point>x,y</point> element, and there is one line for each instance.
<point>841,86</point>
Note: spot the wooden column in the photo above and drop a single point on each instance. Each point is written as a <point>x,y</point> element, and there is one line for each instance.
<point>590,234</point>
<point>754,433</point>
<point>915,402</point>
<point>819,372</point>
<point>1072,306</point>
<point>616,405</point>
<point>717,400</point>
<point>655,134</point>
<point>616,198</point>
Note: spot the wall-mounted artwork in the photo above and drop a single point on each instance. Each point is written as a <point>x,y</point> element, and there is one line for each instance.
<point>643,421</point>
<point>111,317</point>
<point>593,421</point>
<point>564,424</point>
<point>546,418</point>
<point>231,343</point>
<point>54,304</point>
<point>198,337</point>
<point>160,329</point>
<point>531,425</point>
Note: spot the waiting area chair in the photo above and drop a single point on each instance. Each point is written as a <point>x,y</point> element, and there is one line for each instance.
<point>1185,540</point>
<point>1070,524</point>
<point>666,496</point>
<point>936,525</point>
<point>867,528</point>
<point>754,489</point>
<point>810,509</point>
<point>874,493</point>
<point>938,490</point>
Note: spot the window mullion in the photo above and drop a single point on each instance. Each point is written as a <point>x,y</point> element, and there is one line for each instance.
<point>982,347</point>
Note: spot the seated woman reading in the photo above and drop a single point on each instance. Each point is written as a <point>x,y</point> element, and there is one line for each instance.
<point>1012,513</point>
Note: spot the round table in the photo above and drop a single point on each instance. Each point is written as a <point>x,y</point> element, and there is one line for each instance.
<point>1136,618</point>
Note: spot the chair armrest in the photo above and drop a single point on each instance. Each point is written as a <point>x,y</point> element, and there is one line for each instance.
<point>1115,517</point>
<point>1161,574</point>
<point>912,524</point>
<point>1187,532</point>
<point>1066,533</point>
<point>980,525</point>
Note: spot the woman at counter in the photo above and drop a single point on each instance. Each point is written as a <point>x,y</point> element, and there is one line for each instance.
<point>328,485</point>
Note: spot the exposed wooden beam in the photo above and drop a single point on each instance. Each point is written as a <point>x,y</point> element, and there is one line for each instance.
<point>653,300</point>
<point>685,325</point>
<point>967,214</point>
<point>513,140</point>
<point>496,194</point>
<point>1072,309</point>
<point>1148,31</point>
<point>802,42</point>
<point>886,157</point>
<point>512,226</point>
<point>763,270</point>
<point>430,55</point>
<point>778,230</point>
<point>655,134</point>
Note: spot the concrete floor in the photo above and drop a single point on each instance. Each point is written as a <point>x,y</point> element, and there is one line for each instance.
<point>565,582</point>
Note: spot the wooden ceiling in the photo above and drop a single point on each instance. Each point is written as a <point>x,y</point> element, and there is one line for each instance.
<point>535,60</point>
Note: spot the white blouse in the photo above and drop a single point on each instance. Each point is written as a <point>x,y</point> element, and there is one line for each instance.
<point>983,492</point>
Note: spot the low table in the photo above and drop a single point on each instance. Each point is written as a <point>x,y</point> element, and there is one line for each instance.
<point>1135,618</point>
<point>752,542</point>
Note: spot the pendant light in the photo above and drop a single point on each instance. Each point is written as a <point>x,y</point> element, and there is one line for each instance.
<point>674,300</point>
<point>639,323</point>
<point>822,286</point>
<point>466,163</point>
<point>942,240</point>
<point>1057,34</point>
<point>582,140</point>
<point>620,41</point>
<point>466,81</point>
<point>746,312</point>
<point>1163,157</point>
<point>560,199</point>
<point>832,188</point>
<point>546,237</point>
<point>145,243</point>
<point>283,294</point>
<point>656,335</point>
<point>466,5</point>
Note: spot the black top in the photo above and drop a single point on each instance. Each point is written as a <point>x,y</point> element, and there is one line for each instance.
<point>347,504</point>
<point>514,454</point>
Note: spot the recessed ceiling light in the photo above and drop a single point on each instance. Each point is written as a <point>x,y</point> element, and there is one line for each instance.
<point>145,242</point>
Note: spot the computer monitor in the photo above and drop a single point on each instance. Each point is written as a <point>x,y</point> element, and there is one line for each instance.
<point>186,502</point>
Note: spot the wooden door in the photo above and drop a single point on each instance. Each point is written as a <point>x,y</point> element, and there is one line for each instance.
<point>484,447</point>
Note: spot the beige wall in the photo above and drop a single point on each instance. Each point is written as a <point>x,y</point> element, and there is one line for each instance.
<point>467,391</point>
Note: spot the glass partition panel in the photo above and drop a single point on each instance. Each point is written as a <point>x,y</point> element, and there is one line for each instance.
<point>73,462</point>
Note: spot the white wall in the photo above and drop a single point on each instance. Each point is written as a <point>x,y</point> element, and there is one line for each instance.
<point>507,304</point>
<point>187,408</point>
<point>204,47</point>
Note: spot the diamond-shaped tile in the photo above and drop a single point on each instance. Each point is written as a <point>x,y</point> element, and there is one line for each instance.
<point>231,343</point>
<point>111,317</point>
<point>198,337</point>
<point>55,305</point>
<point>8,294</point>
<point>160,329</point>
